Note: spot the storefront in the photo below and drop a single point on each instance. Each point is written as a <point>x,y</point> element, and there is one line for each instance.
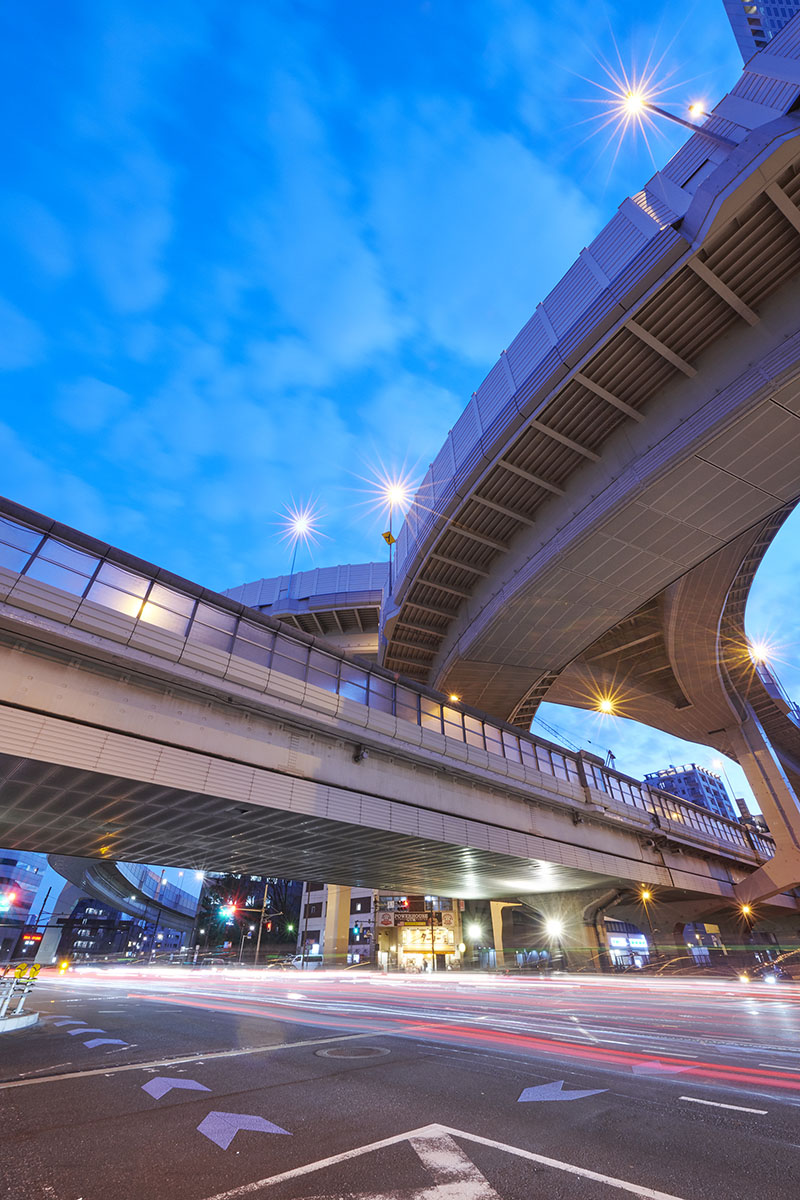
<point>418,942</point>
<point>628,950</point>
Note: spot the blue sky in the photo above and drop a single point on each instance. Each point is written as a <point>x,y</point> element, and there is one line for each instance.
<point>249,249</point>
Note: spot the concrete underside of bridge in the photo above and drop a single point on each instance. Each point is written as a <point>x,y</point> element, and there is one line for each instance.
<point>154,761</point>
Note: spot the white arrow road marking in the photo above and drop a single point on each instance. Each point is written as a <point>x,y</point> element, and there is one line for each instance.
<point>658,1068</point>
<point>69,1021</point>
<point>554,1091</point>
<point>222,1127</point>
<point>104,1042</point>
<point>72,1032</point>
<point>161,1084</point>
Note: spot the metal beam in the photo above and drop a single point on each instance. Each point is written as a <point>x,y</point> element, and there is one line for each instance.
<point>440,633</point>
<point>783,204</point>
<point>501,508</point>
<point>409,662</point>
<point>436,612</point>
<point>654,343</point>
<point>414,646</point>
<point>479,537</point>
<point>531,478</point>
<point>565,441</point>
<point>604,394</point>
<point>723,291</point>
<point>337,620</point>
<point>444,587</point>
<point>359,622</point>
<point>462,566</point>
<point>648,637</point>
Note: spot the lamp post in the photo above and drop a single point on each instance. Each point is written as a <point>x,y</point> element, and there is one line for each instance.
<point>635,103</point>
<point>431,916</point>
<point>645,896</point>
<point>554,928</point>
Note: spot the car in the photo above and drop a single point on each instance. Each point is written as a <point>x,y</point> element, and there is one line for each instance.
<point>770,972</point>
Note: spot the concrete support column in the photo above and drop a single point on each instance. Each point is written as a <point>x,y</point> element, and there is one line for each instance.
<point>68,897</point>
<point>337,926</point>
<point>571,924</point>
<point>496,907</point>
<point>779,804</point>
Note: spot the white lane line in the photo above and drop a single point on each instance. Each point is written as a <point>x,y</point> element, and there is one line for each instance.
<point>762,1112</point>
<point>436,1132</point>
<point>453,1172</point>
<point>197,1057</point>
<point>776,1067</point>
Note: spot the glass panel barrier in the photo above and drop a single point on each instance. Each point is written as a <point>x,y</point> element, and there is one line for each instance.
<point>381,694</point>
<point>323,671</point>
<point>430,714</point>
<point>19,536</point>
<point>353,683</point>
<point>474,732</point>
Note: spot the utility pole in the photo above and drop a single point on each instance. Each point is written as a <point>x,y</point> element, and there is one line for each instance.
<point>261,922</point>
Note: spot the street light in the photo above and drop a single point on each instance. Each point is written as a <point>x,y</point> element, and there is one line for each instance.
<point>396,493</point>
<point>554,928</point>
<point>635,104</point>
<point>300,524</point>
<point>430,917</point>
<point>646,895</point>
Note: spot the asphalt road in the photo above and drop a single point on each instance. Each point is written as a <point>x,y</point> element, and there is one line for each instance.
<point>293,1086</point>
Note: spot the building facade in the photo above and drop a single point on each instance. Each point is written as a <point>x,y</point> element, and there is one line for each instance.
<point>697,785</point>
<point>755,22</point>
<point>396,932</point>
<point>20,877</point>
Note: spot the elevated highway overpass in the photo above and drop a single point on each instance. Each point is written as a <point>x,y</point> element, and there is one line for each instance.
<point>144,718</point>
<point>626,458</point>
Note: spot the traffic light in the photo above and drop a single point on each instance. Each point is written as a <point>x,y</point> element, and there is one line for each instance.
<point>227,911</point>
<point>6,900</point>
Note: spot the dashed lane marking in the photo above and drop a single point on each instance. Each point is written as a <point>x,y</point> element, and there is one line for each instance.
<point>197,1057</point>
<point>762,1112</point>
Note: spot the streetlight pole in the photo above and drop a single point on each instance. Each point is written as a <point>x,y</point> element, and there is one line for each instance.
<point>261,922</point>
<point>647,896</point>
<point>431,917</point>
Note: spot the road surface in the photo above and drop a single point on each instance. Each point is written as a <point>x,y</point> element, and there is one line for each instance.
<point>288,1086</point>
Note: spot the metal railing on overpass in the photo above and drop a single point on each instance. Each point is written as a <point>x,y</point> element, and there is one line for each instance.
<point>155,886</point>
<point>93,572</point>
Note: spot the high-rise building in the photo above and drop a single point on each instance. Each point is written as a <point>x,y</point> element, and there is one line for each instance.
<point>755,22</point>
<point>20,876</point>
<point>697,785</point>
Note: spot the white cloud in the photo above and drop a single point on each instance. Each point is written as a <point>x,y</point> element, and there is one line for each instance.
<point>90,404</point>
<point>36,230</point>
<point>129,227</point>
<point>21,341</point>
<point>409,411</point>
<point>49,488</point>
<point>474,229</point>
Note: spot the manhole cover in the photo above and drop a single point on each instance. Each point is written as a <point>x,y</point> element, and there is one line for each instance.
<point>352,1052</point>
